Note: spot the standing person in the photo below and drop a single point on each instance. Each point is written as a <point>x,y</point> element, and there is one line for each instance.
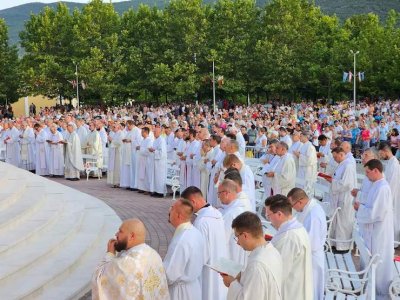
<point>262,277</point>
<point>114,156</point>
<point>93,145</point>
<point>313,218</point>
<point>206,156</point>
<point>284,176</point>
<point>376,216</point>
<point>11,139</point>
<point>293,244</point>
<point>295,147</point>
<point>56,152</point>
<point>227,193</point>
<point>143,173</point>
<point>284,136</point>
<point>104,139</point>
<point>307,163</point>
<point>180,152</point>
<point>342,183</point>
<point>82,131</point>
<point>158,164</point>
<point>42,151</point>
<point>73,155</point>
<point>130,269</point>
<point>324,154</point>
<point>270,161</point>
<point>126,156</point>
<point>27,141</point>
<point>136,139</point>
<point>392,175</point>
<point>210,223</point>
<point>184,260</point>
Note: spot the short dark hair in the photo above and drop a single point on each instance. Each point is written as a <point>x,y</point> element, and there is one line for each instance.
<point>284,145</point>
<point>337,150</point>
<point>248,222</point>
<point>322,137</point>
<point>384,146</point>
<point>374,164</point>
<point>279,203</point>
<point>191,190</point>
<point>296,194</point>
<point>187,207</point>
<point>146,129</point>
<point>234,175</point>
<point>216,138</point>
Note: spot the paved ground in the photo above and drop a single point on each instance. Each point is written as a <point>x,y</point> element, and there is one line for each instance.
<point>127,204</point>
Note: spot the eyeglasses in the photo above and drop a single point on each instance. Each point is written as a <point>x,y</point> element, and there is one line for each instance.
<point>236,237</point>
<point>219,193</point>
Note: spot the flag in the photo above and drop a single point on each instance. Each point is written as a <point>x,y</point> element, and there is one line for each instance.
<point>361,76</point>
<point>83,84</point>
<point>350,76</point>
<point>345,76</point>
<point>73,82</point>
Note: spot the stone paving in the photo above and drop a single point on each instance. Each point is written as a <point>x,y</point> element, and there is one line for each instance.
<point>128,204</point>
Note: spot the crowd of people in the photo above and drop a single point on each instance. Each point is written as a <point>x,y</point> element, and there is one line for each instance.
<point>294,144</point>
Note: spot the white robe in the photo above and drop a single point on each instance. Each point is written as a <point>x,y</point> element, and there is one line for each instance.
<point>143,173</point>
<point>218,156</point>
<point>210,223</point>
<point>293,244</point>
<point>268,181</point>
<point>181,147</point>
<point>286,139</point>
<point>73,156</point>
<point>82,133</point>
<point>249,185</point>
<point>242,144</point>
<point>159,171</point>
<point>313,219</point>
<point>171,145</point>
<point>94,147</point>
<point>204,172</point>
<point>392,175</point>
<point>189,162</point>
<point>375,214</point>
<point>308,167</point>
<point>195,173</point>
<point>244,198</point>
<point>184,263</point>
<point>126,159</point>
<point>137,273</point>
<point>13,150</point>
<point>326,151</point>
<point>114,158</point>
<point>28,156</point>
<point>343,182</point>
<point>229,213</point>
<point>137,139</point>
<point>56,155</point>
<point>103,137</point>
<point>262,278</point>
<point>295,147</point>
<point>285,175</point>
<point>42,154</point>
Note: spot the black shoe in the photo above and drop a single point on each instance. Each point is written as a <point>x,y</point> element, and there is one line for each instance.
<point>157,195</point>
<point>140,191</point>
<point>74,179</point>
<point>134,190</point>
<point>340,251</point>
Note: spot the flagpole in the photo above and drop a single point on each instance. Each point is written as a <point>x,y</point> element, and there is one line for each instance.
<point>77,84</point>
<point>354,78</point>
<point>213,70</point>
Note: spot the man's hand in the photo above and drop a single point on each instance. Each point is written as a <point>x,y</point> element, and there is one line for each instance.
<point>213,162</point>
<point>329,179</point>
<point>227,279</point>
<point>354,192</point>
<point>270,174</point>
<point>111,246</point>
<point>191,155</point>
<point>323,165</point>
<point>356,205</point>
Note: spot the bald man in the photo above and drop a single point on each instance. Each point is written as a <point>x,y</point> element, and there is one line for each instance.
<point>184,260</point>
<point>131,269</point>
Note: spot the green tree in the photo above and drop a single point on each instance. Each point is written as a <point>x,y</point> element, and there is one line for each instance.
<point>9,68</point>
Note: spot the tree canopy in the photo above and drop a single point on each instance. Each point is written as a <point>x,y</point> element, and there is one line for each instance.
<point>288,49</point>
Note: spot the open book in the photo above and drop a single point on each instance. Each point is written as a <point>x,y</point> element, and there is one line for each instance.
<point>226,266</point>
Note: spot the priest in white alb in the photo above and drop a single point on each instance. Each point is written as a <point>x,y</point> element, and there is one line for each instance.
<point>293,243</point>
<point>313,218</point>
<point>158,164</point>
<point>27,142</point>
<point>93,145</point>
<point>73,155</point>
<point>342,183</point>
<point>143,172</point>
<point>392,175</point>
<point>262,277</point>
<point>270,161</point>
<point>375,214</point>
<point>11,139</point>
<point>126,155</point>
<point>56,151</point>
<point>184,260</point>
<point>284,176</point>
<point>114,156</point>
<point>42,151</point>
<point>130,269</point>
<point>210,223</point>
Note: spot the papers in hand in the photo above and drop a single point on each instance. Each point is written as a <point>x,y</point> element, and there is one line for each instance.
<point>323,175</point>
<point>226,266</point>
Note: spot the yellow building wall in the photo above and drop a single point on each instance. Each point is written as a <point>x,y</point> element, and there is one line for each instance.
<point>39,101</point>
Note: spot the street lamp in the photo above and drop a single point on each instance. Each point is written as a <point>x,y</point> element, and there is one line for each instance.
<point>354,77</point>
<point>213,71</point>
<point>77,82</point>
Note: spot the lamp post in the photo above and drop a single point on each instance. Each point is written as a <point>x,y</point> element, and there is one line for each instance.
<point>77,83</point>
<point>354,77</point>
<point>213,71</point>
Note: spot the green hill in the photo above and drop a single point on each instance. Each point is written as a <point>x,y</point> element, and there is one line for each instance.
<point>15,17</point>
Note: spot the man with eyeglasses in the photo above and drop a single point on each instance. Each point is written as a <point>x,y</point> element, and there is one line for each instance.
<point>313,218</point>
<point>232,207</point>
<point>293,244</point>
<point>262,278</point>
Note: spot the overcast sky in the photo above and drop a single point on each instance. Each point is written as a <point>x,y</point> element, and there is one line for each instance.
<point>11,3</point>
